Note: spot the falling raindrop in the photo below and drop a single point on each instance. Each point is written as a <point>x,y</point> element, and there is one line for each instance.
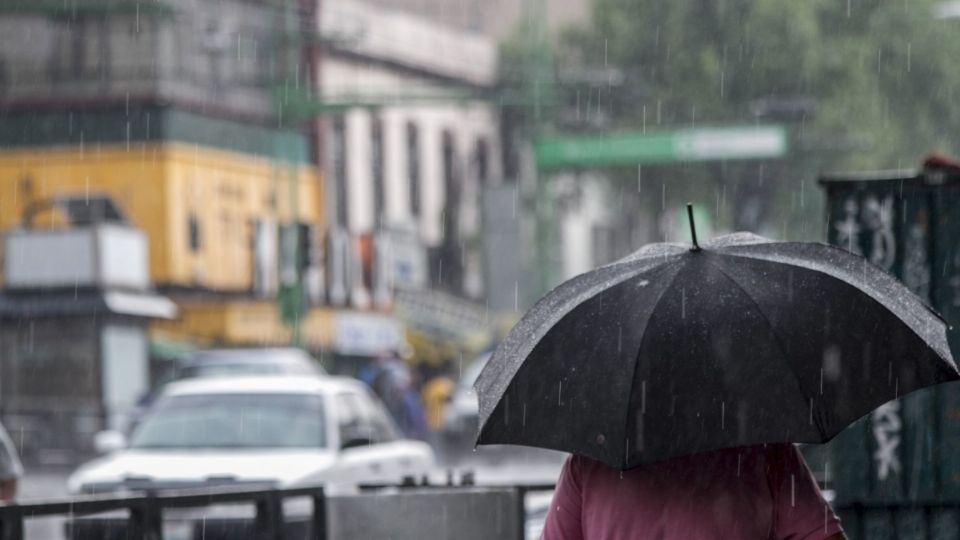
<point>643,397</point>
<point>793,490</point>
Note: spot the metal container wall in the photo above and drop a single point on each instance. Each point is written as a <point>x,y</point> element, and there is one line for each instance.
<point>907,452</point>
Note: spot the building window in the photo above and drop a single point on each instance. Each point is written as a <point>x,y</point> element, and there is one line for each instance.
<point>413,168</point>
<point>452,255</point>
<point>376,171</point>
<point>338,148</point>
<point>481,157</point>
<point>193,227</point>
<point>450,179</point>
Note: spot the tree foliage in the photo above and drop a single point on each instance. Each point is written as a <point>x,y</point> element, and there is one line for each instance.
<point>861,84</point>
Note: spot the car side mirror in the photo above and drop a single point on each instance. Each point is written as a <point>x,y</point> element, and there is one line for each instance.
<point>109,441</point>
<point>356,442</point>
<point>354,436</point>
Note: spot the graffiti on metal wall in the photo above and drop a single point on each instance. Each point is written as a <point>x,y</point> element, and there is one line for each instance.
<point>886,432</point>
<point>875,219</point>
<point>916,264</point>
<point>878,219</point>
<point>848,228</point>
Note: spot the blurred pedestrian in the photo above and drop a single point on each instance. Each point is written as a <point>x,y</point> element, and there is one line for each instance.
<point>759,492</point>
<point>393,382</point>
<point>436,394</point>
<point>10,468</point>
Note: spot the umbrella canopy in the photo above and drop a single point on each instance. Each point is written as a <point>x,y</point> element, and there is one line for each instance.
<point>673,351</point>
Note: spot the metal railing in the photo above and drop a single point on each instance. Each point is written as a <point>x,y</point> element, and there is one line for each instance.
<point>145,519</point>
<point>521,489</point>
<point>146,510</point>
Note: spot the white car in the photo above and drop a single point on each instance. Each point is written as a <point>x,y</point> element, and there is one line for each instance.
<point>460,419</point>
<point>281,431</point>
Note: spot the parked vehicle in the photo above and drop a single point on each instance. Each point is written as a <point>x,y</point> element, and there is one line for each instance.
<point>280,431</point>
<point>460,416</point>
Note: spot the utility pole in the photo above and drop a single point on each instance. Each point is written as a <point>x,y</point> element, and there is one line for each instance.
<point>539,88</point>
<point>287,80</point>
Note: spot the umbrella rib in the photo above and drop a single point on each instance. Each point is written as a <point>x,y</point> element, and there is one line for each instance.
<point>773,332</point>
<point>636,361</point>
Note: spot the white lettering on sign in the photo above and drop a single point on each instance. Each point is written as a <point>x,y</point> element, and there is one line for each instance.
<point>886,432</point>
<point>878,217</point>
<point>848,228</point>
<point>707,144</point>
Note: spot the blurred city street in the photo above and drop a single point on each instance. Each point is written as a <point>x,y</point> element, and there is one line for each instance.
<point>312,269</point>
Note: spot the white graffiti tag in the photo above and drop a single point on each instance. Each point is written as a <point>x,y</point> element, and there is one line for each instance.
<point>886,431</point>
<point>848,229</point>
<point>916,268</point>
<point>878,217</point>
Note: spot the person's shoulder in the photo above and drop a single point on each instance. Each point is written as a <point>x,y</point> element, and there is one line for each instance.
<point>585,465</point>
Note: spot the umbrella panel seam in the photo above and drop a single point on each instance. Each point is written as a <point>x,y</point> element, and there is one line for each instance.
<point>773,332</point>
<point>636,362</point>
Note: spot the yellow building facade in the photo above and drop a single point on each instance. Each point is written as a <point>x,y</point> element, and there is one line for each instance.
<point>198,207</point>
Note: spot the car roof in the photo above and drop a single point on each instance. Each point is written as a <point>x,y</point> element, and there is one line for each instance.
<point>247,356</point>
<point>274,384</point>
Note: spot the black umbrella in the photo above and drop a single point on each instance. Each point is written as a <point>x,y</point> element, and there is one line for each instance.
<point>673,351</point>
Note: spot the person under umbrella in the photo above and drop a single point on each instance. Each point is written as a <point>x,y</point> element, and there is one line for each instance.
<point>679,377</point>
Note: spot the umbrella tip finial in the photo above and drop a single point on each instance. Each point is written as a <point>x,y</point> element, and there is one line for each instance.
<point>693,228</point>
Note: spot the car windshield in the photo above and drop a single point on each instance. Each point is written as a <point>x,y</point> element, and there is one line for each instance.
<point>233,421</point>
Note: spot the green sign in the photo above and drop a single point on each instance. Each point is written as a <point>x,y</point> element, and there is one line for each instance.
<point>684,145</point>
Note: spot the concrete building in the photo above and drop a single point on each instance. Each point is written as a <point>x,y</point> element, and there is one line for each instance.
<point>496,18</point>
<point>73,326</point>
<point>171,108</point>
<point>408,150</point>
